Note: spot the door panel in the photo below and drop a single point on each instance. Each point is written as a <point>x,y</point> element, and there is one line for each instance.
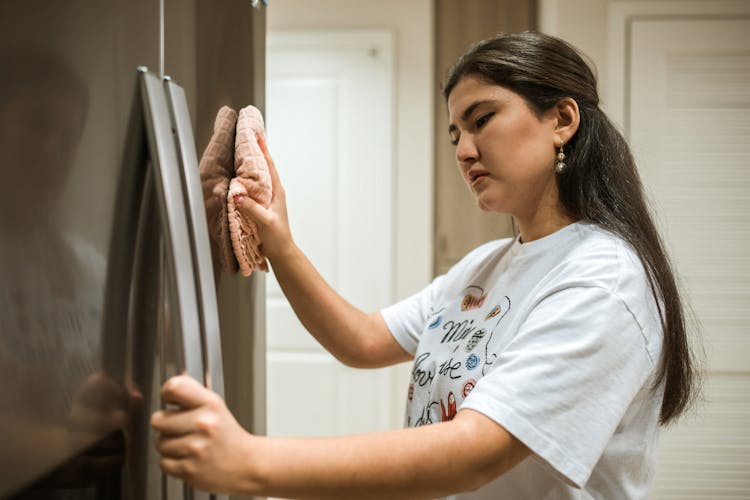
<point>329,127</point>
<point>689,125</point>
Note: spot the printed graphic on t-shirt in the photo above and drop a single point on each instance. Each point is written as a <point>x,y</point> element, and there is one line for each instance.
<point>471,301</point>
<point>457,349</point>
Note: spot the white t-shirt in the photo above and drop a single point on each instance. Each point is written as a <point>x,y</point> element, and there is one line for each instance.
<point>557,340</point>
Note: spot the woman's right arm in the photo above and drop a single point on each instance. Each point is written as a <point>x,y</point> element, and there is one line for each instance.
<point>354,337</point>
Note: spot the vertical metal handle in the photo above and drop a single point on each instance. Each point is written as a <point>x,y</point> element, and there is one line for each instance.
<point>183,311</point>
<point>194,312</point>
<point>201,250</point>
<point>208,309</point>
<point>175,230</point>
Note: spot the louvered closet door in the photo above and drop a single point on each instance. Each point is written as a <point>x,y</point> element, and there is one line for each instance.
<point>689,124</point>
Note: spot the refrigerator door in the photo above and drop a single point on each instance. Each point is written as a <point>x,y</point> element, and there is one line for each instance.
<point>95,312</point>
<point>216,51</point>
<point>68,83</point>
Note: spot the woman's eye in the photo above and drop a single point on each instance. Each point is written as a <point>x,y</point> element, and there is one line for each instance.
<point>454,141</point>
<point>483,119</point>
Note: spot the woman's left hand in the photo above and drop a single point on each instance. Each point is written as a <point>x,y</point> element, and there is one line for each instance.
<point>201,442</point>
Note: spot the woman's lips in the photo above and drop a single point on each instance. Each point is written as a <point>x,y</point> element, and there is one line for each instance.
<point>476,179</point>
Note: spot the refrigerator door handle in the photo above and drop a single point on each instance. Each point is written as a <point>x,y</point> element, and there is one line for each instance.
<point>175,226</point>
<point>184,317</point>
<point>201,250</point>
<point>208,308</point>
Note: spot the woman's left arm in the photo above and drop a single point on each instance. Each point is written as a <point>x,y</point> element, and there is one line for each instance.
<point>203,444</point>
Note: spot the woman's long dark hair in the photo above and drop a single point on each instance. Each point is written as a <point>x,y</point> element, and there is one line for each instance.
<point>600,183</point>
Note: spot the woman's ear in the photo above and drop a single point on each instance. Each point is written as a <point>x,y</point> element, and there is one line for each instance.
<point>568,118</point>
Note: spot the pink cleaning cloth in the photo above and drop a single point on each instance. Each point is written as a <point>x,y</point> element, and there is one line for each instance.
<point>217,169</point>
<point>252,179</point>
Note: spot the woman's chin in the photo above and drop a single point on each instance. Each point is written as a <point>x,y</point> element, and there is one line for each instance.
<point>486,205</point>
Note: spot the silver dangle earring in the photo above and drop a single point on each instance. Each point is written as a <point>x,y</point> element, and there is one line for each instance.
<point>560,165</point>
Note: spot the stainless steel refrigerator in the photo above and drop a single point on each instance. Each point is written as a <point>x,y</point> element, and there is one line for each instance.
<point>107,282</point>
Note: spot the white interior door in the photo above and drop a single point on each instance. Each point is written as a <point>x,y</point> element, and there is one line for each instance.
<point>330,128</point>
<point>689,124</point>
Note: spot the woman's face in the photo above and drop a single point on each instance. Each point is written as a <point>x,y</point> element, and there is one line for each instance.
<point>505,152</point>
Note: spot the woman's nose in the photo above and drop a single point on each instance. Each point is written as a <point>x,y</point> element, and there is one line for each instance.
<point>466,150</point>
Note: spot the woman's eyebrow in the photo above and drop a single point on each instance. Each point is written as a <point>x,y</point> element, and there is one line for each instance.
<point>468,111</point>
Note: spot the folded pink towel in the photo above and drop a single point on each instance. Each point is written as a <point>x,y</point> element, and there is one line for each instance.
<point>252,179</point>
<point>216,170</point>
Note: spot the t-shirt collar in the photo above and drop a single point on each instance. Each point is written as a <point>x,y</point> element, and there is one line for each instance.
<point>549,242</point>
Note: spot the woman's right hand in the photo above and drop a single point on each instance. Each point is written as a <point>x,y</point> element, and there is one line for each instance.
<point>273,222</point>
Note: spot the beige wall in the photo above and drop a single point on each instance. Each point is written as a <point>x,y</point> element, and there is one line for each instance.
<point>411,22</point>
<point>582,23</point>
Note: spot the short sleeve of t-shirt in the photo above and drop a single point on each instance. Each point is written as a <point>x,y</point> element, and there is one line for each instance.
<point>407,318</point>
<point>565,381</point>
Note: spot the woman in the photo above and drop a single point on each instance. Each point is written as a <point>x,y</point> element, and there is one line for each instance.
<point>546,363</point>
